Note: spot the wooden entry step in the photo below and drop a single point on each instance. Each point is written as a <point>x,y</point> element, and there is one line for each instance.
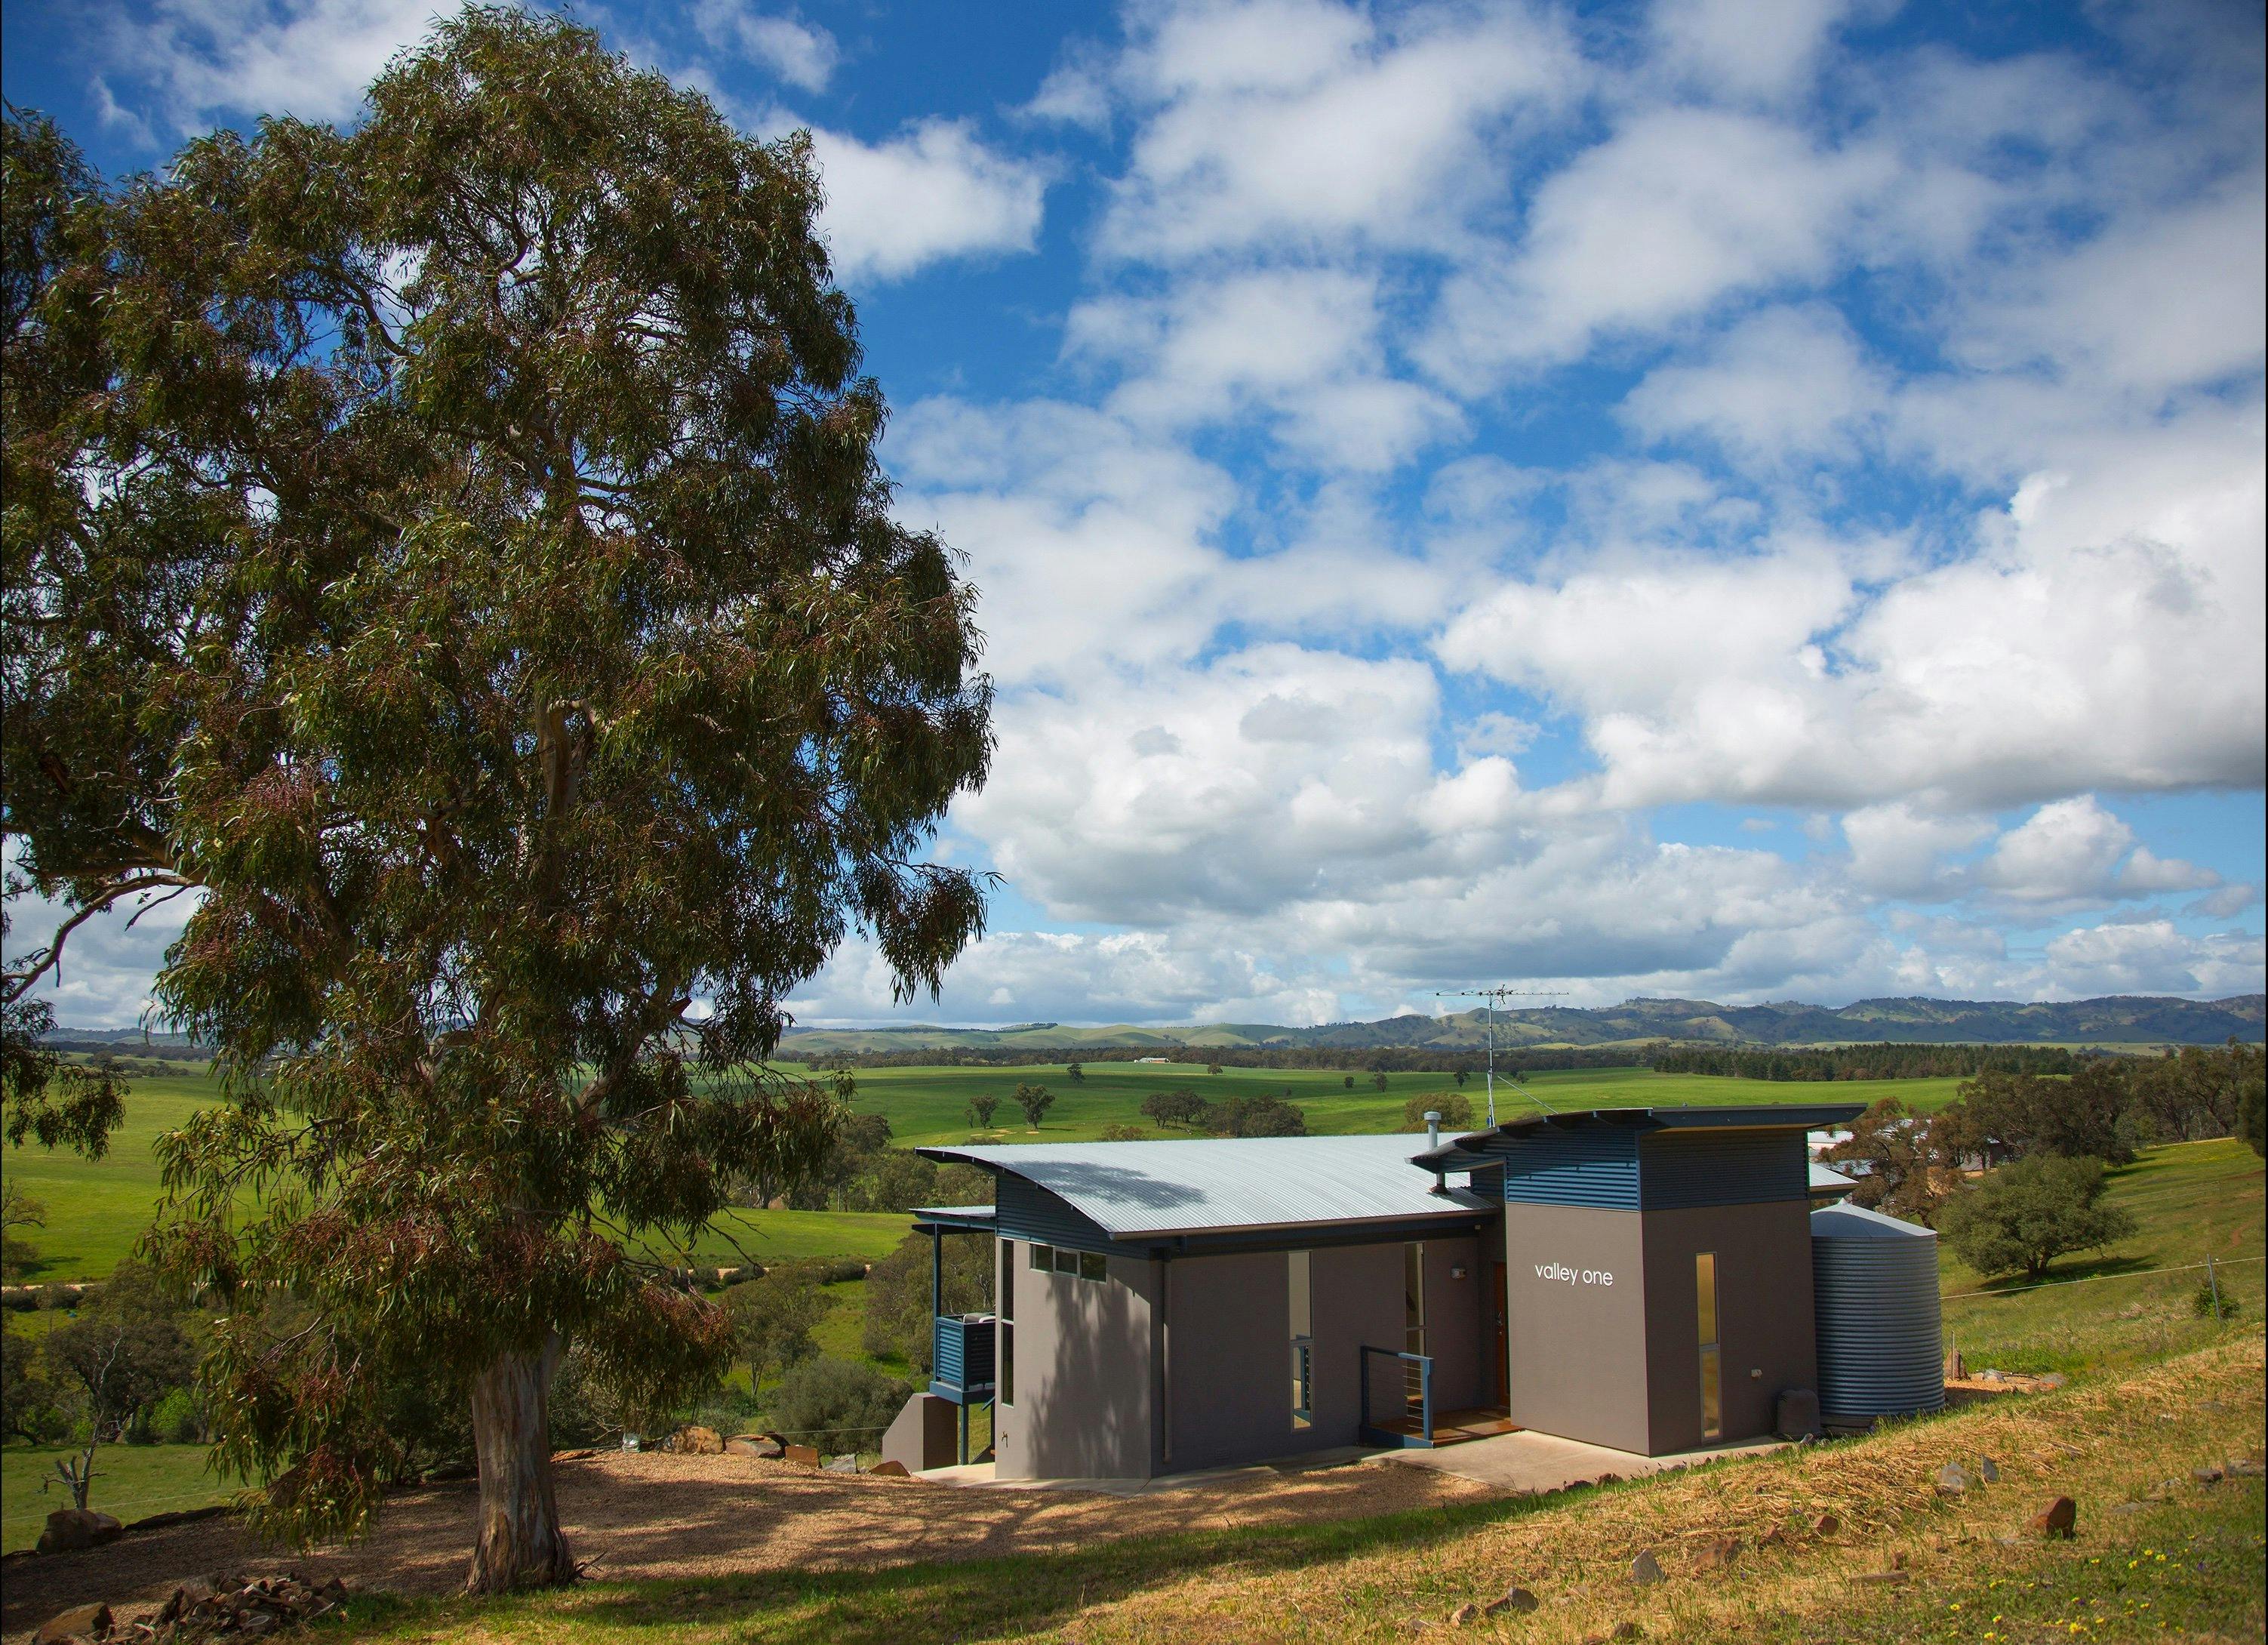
<point>1455,1427</point>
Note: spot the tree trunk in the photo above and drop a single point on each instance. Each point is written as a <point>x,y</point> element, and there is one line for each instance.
<point>520,1545</point>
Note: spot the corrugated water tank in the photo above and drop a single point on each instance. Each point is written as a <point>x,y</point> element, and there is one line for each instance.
<point>1874,1295</point>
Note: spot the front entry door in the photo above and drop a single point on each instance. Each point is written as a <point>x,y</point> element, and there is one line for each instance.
<point>1502,1306</point>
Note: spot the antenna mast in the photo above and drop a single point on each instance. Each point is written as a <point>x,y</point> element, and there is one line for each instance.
<point>1494,995</point>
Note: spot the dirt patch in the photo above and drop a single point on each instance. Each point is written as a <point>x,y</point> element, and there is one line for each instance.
<point>653,1516</point>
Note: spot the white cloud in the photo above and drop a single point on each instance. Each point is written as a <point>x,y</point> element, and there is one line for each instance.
<point>2074,851</point>
<point>1745,48</point>
<point>2105,635</point>
<point>1299,345</point>
<point>2149,957</point>
<point>1898,851</point>
<point>1679,209</point>
<point>1292,122</point>
<point>802,53</point>
<point>1787,383</point>
<point>205,60</point>
<point>933,193</point>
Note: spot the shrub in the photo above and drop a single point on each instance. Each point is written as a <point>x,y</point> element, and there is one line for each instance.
<point>2024,1215</point>
<point>836,1404</point>
<point>897,1322</point>
<point>1119,1131</point>
<point>1254,1116</point>
<point>1454,1107</point>
<point>1180,1107</point>
<point>773,1317</point>
<point>2206,1302</point>
<point>177,1420</point>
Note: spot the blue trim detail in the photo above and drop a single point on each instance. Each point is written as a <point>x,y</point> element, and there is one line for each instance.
<point>1026,1210</point>
<point>1682,1169</point>
<point>1588,1165</point>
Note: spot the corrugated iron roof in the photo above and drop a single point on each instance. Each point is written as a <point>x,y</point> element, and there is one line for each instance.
<point>1146,1190</point>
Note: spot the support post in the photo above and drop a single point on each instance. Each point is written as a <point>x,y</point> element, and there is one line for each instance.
<point>2213,1280</point>
<point>964,1433</point>
<point>936,1271</point>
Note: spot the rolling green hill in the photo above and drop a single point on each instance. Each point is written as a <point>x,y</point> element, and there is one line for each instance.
<point>2120,1020</point>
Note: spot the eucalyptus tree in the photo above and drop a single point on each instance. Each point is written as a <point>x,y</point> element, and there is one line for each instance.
<point>454,550</point>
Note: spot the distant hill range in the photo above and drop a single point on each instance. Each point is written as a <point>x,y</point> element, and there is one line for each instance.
<point>2119,1020</point>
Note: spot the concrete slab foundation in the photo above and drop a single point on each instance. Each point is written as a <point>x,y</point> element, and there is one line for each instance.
<point>1543,1462</point>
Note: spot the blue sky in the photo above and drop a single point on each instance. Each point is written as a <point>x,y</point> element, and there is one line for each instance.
<point>1752,499</point>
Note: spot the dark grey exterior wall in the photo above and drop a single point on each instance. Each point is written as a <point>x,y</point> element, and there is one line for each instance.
<point>1357,1300</point>
<point>1763,1316</point>
<point>1578,1350</point>
<point>1084,1405</point>
<point>1228,1331</point>
<point>1456,1310</point>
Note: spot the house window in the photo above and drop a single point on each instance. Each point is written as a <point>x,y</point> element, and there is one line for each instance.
<point>1299,1274</point>
<point>1712,1385</point>
<point>1080,1265</point>
<point>1413,1325</point>
<point>1004,1347</point>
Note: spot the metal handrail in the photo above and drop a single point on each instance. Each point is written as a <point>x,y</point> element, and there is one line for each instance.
<point>1425,1364</point>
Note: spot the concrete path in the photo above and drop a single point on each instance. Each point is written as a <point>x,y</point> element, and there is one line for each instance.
<point>981,1474</point>
<point>1542,1462</point>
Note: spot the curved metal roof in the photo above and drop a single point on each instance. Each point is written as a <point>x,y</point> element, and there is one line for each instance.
<point>1217,1185</point>
<point>1848,1222</point>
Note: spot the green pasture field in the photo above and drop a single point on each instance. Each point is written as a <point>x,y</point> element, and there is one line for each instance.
<point>930,1105</point>
<point>130,1482</point>
<point>96,1210</point>
<point>2103,1309</point>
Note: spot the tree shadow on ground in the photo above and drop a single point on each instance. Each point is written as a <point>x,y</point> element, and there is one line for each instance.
<point>963,1598</point>
<point>2101,1267</point>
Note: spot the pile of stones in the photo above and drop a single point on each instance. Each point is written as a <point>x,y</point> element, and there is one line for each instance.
<point>212,1608</point>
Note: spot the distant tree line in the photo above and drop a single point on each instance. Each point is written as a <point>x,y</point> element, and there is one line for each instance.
<point>1392,1059</point>
<point>2050,1140</point>
<point>1885,1061</point>
<point>1181,1108</point>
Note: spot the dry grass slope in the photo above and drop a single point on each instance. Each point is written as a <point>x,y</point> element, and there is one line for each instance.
<point>2106,1444</point>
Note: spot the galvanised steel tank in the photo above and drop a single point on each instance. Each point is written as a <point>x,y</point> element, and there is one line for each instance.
<point>1875,1295</point>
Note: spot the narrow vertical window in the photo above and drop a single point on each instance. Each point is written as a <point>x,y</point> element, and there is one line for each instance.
<point>1712,1386</point>
<point>1413,1323</point>
<point>1300,1273</point>
<point>1004,1309</point>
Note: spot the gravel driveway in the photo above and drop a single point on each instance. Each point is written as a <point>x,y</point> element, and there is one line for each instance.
<point>650,1516</point>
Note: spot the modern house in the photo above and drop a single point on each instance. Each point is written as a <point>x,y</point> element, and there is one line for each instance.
<point>1636,1277</point>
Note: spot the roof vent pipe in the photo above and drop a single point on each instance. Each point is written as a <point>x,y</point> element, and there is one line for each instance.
<point>1433,1141</point>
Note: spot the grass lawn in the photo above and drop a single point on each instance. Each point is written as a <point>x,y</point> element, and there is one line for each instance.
<point>96,1209</point>
<point>131,1482</point>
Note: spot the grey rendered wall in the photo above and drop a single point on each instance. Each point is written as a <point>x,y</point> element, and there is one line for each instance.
<point>1454,1331</point>
<point>1357,1300</point>
<point>1083,1405</point>
<point>1228,1327</point>
<point>1578,1348</point>
<point>1763,1316</point>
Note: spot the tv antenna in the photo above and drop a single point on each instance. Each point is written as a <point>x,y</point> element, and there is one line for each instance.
<point>1494,996</point>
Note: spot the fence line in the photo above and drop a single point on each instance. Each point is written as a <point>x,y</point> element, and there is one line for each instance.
<point>2091,1278</point>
